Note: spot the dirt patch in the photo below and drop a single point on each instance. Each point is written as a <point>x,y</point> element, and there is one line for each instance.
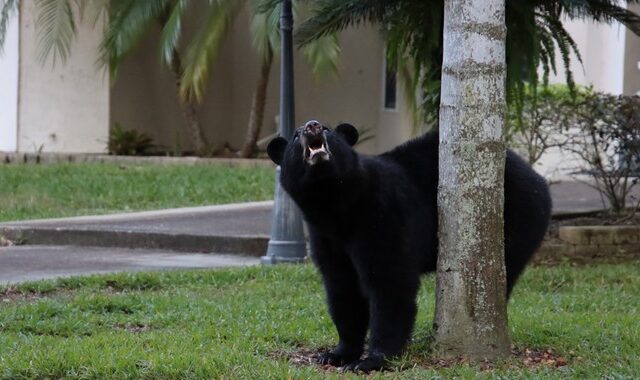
<point>521,358</point>
<point>532,358</point>
<point>12,294</point>
<point>529,358</point>
<point>134,328</point>
<point>303,357</point>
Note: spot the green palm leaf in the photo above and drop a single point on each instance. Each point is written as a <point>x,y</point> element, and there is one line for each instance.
<point>9,8</point>
<point>331,16</point>
<point>603,10</point>
<point>265,28</point>
<point>55,28</point>
<point>205,47</point>
<point>323,54</point>
<point>129,21</point>
<point>96,10</point>
<point>171,31</point>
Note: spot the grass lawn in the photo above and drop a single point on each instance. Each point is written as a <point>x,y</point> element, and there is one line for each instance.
<point>242,323</point>
<point>47,191</point>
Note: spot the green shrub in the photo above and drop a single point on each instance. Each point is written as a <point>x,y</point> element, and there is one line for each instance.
<point>128,142</point>
<point>539,120</point>
<point>606,137</point>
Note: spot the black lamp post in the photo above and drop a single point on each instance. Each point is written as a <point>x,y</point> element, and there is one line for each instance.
<point>287,242</point>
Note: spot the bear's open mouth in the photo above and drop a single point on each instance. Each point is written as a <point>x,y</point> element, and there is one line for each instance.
<point>316,149</point>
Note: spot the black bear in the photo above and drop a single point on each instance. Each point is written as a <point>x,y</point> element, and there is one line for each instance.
<point>372,223</point>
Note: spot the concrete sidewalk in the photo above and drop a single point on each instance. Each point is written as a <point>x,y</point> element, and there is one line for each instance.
<point>174,238</point>
<point>235,228</point>
<point>28,263</point>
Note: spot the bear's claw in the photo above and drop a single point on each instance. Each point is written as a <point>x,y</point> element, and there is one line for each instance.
<point>368,364</point>
<point>334,359</point>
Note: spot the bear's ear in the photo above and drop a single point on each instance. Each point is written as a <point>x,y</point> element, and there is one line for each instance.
<point>276,148</point>
<point>348,132</point>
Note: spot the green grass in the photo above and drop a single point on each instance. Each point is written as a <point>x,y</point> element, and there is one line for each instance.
<point>237,324</point>
<point>47,191</point>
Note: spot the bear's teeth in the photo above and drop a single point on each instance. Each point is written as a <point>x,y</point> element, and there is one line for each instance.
<point>313,152</point>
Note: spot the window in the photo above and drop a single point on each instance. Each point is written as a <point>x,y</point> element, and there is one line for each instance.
<point>390,86</point>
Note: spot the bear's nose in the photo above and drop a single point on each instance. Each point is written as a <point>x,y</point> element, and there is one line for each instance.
<point>312,128</point>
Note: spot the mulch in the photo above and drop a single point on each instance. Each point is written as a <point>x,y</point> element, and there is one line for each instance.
<point>529,358</point>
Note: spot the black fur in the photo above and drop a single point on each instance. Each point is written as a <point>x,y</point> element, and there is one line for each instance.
<point>373,227</point>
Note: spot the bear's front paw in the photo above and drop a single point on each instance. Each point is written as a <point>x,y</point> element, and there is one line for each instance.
<point>335,359</point>
<point>368,364</point>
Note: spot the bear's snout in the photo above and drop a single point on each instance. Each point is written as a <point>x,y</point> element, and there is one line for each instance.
<point>312,129</point>
<point>314,142</point>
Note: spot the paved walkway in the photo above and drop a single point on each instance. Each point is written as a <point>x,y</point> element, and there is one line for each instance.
<point>27,263</point>
<point>241,228</point>
<point>174,238</point>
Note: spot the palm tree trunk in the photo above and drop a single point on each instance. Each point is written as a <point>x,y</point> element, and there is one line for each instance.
<point>189,111</point>
<point>257,108</point>
<point>471,310</point>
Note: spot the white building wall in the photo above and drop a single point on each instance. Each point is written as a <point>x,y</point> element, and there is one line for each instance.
<point>62,108</point>
<point>9,61</point>
<point>602,48</point>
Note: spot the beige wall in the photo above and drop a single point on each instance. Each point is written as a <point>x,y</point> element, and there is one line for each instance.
<point>632,58</point>
<point>143,96</point>
<point>9,63</point>
<point>63,108</point>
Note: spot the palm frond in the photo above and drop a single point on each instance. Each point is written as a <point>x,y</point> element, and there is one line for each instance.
<point>547,47</point>
<point>55,28</point>
<point>265,28</point>
<point>205,47</point>
<point>603,11</point>
<point>8,9</point>
<point>323,55</point>
<point>129,21</point>
<point>566,45</point>
<point>171,31</point>
<point>546,56</point>
<point>98,10</point>
<point>331,16</point>
<point>409,76</point>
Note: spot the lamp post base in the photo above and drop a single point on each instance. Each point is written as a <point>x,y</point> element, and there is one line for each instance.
<point>284,252</point>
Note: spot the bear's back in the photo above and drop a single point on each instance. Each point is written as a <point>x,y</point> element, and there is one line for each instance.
<point>419,158</point>
<point>527,201</point>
